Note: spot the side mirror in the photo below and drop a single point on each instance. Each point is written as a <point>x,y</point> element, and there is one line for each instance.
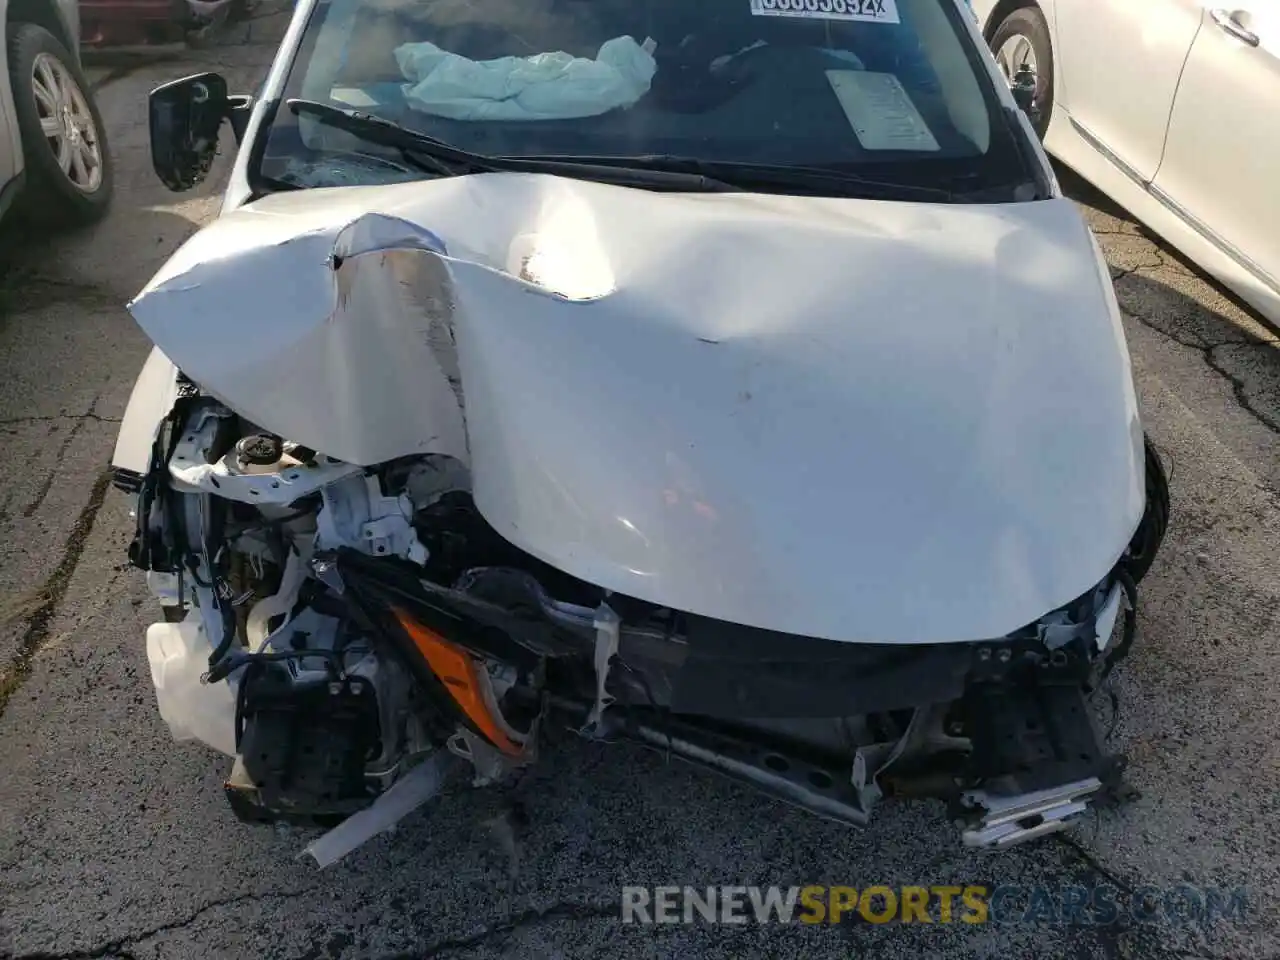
<point>186,116</point>
<point>1024,92</point>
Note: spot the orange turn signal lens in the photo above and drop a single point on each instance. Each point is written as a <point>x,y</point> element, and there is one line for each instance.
<point>466,681</point>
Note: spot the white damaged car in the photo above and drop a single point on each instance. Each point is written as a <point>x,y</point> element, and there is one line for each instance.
<point>731,377</point>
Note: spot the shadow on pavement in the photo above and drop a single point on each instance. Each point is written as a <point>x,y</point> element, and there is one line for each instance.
<point>1244,353</point>
<point>1086,194</point>
<point>105,264</point>
<point>1082,191</point>
<point>1183,304</point>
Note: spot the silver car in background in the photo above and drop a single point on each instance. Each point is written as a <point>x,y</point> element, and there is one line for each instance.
<point>54,162</point>
<point>1170,108</point>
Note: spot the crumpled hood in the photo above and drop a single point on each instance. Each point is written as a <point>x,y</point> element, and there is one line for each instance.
<point>849,419</point>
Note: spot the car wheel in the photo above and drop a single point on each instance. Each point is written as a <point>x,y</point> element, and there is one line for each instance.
<point>64,146</point>
<point>1155,519</point>
<point>1022,40</point>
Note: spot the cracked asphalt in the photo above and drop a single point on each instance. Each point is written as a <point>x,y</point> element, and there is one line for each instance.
<point>115,842</point>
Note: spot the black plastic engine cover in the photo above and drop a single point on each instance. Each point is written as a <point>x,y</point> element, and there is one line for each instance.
<point>305,745</point>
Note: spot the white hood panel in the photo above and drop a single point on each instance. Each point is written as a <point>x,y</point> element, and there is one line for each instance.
<point>848,419</point>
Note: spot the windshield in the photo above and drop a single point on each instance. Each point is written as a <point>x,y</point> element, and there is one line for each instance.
<point>887,89</point>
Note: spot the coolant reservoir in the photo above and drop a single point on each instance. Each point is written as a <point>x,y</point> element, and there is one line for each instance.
<point>179,655</point>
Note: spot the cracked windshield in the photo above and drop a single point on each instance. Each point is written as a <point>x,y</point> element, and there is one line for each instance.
<point>884,87</point>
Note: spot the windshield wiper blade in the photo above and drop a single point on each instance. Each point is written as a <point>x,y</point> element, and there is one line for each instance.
<point>652,171</point>
<point>753,176</point>
<point>851,184</point>
<point>435,156</point>
<point>424,152</point>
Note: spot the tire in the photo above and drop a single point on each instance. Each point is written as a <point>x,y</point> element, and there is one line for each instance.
<point>54,196</point>
<point>1029,24</point>
<point>1155,519</point>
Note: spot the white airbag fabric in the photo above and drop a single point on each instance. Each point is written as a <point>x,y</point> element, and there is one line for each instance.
<point>547,86</point>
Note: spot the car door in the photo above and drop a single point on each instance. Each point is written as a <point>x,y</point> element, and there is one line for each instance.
<point>1118,66</point>
<point>1221,168</point>
<point>10,142</point>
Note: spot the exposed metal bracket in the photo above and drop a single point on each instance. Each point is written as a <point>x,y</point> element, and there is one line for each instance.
<point>490,764</point>
<point>924,736</point>
<point>1006,821</point>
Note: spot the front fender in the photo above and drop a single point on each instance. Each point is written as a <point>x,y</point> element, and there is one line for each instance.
<point>152,399</point>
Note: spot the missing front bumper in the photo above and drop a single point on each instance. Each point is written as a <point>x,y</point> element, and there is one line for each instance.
<point>1016,761</point>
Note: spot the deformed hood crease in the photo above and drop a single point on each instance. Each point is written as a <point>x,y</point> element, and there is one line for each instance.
<point>850,419</point>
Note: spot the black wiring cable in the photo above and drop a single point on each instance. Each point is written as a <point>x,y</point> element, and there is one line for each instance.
<point>1130,629</point>
<point>1127,636</point>
<point>224,609</point>
<point>272,523</point>
<point>1114,725</point>
<point>241,697</point>
<point>192,565</point>
<point>192,562</point>
<point>658,709</point>
<point>332,658</point>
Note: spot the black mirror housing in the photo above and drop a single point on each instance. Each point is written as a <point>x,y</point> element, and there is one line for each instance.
<point>185,117</point>
<point>239,109</point>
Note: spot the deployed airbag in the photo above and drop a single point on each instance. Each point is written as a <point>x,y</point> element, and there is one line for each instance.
<point>547,86</point>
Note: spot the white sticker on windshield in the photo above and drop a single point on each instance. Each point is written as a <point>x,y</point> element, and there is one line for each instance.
<point>880,111</point>
<point>870,11</point>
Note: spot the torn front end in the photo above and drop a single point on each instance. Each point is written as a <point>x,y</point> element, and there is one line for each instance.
<point>511,454</point>
<point>337,628</point>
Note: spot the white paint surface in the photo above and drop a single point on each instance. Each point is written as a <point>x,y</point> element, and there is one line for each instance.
<point>850,419</point>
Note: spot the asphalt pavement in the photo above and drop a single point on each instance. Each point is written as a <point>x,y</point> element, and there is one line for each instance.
<point>116,842</point>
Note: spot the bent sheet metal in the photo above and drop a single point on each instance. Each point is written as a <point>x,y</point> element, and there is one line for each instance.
<point>778,411</point>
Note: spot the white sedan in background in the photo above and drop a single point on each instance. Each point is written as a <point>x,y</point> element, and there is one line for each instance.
<point>1171,108</point>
